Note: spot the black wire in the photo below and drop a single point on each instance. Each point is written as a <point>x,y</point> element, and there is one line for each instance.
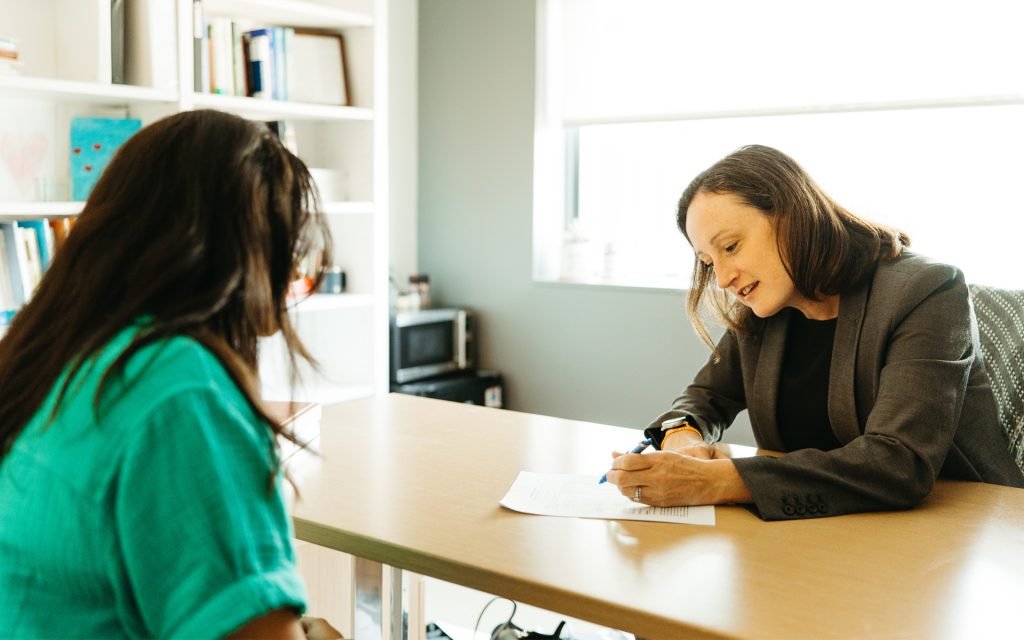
<point>489,603</point>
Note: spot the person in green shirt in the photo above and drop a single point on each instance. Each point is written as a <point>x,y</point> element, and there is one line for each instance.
<point>140,481</point>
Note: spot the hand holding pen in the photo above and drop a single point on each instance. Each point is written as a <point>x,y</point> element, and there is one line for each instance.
<point>639,448</point>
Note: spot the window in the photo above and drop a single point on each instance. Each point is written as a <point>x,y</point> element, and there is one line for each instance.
<point>908,113</point>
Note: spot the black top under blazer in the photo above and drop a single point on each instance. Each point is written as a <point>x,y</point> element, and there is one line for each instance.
<point>908,399</point>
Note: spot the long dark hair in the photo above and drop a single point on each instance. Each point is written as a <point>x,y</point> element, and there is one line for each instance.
<point>824,248</point>
<point>198,224</point>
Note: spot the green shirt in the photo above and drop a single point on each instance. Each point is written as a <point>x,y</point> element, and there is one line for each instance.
<point>153,520</point>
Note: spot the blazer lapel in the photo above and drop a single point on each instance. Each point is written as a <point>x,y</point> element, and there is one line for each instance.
<point>762,406</point>
<point>842,404</point>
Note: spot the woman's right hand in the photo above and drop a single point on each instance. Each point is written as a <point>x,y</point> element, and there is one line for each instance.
<point>671,479</point>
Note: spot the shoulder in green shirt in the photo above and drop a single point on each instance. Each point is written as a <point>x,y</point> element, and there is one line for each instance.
<point>152,520</point>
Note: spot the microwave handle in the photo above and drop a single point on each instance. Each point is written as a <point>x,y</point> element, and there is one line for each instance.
<point>459,339</point>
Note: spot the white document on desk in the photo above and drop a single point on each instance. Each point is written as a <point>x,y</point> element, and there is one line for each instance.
<point>560,494</point>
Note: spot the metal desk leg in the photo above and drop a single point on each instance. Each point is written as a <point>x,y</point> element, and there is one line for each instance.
<point>379,608</point>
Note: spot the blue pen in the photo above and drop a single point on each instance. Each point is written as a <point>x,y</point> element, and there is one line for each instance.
<point>639,448</point>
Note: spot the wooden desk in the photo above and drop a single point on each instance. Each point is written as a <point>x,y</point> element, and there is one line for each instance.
<point>414,483</point>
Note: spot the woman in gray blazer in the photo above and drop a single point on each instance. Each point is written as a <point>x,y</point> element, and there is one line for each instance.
<point>853,356</point>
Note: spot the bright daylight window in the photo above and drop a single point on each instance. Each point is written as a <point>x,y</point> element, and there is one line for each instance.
<point>909,113</point>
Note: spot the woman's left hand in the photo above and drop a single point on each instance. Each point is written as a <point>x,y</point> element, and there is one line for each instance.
<point>671,479</point>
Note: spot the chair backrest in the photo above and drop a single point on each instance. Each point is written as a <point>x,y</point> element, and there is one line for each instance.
<point>1000,315</point>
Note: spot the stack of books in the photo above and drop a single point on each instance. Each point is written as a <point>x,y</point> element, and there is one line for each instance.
<point>26,251</point>
<point>272,62</point>
<point>8,56</point>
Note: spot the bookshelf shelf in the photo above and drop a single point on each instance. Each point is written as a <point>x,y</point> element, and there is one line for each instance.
<point>82,92</point>
<point>291,12</point>
<point>263,109</point>
<point>37,210</point>
<point>332,302</point>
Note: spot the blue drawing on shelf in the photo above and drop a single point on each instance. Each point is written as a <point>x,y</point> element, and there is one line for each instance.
<point>93,143</point>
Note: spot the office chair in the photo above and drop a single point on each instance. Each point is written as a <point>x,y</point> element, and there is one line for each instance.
<point>1000,314</point>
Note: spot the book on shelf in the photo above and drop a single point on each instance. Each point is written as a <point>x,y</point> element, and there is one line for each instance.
<point>7,302</point>
<point>13,260</point>
<point>268,72</point>
<point>27,248</point>
<point>29,255</point>
<point>261,66</point>
<point>200,49</point>
<point>270,59</point>
<point>222,66</point>
<point>43,236</point>
<point>5,320</point>
<point>270,62</point>
<point>83,31</point>
<point>277,47</point>
<point>117,37</point>
<point>149,44</point>
<point>300,419</point>
<point>239,59</point>
<point>24,269</point>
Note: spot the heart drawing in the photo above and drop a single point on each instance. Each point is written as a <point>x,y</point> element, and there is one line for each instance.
<point>23,156</point>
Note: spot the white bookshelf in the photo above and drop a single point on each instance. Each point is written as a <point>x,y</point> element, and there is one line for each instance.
<point>37,210</point>
<point>297,13</point>
<point>57,90</point>
<point>259,109</point>
<point>347,333</point>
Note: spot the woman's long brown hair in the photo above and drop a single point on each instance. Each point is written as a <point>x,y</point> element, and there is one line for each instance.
<point>825,248</point>
<point>198,224</point>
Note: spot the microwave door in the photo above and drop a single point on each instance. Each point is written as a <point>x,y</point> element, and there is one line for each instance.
<point>425,349</point>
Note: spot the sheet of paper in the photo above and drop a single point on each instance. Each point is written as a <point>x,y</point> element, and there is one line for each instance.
<point>559,494</point>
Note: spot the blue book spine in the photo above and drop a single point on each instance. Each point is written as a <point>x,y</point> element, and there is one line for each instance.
<point>278,44</point>
<point>260,64</point>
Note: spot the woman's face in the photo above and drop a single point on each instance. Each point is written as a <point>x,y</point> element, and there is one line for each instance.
<point>739,242</point>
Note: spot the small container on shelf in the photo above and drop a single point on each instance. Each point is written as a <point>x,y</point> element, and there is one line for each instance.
<point>419,289</point>
<point>407,301</point>
<point>334,280</point>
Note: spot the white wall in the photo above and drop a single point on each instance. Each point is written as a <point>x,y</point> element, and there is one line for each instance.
<point>615,356</point>
<point>402,159</point>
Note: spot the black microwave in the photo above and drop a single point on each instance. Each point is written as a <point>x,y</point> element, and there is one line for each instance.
<point>431,342</point>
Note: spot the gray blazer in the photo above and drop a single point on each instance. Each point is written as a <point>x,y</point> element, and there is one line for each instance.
<point>908,400</point>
